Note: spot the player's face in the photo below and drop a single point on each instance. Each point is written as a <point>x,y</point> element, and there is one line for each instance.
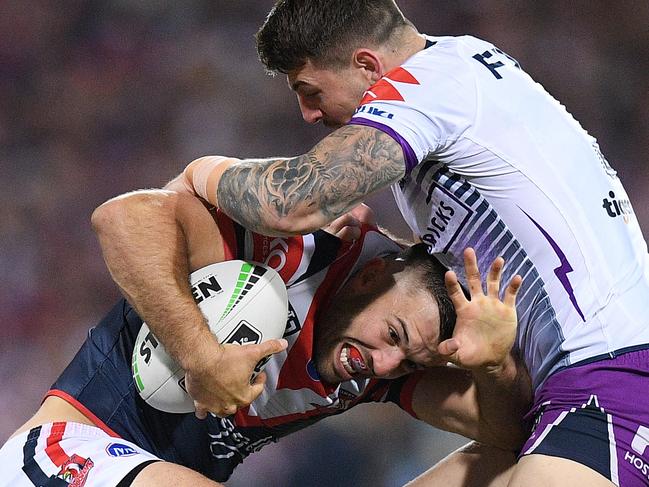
<point>326,95</point>
<point>388,335</point>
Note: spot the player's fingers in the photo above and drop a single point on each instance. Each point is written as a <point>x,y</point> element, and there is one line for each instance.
<point>259,378</point>
<point>258,351</point>
<point>256,389</point>
<point>200,411</point>
<point>270,347</point>
<point>448,349</point>
<point>340,223</point>
<point>472,272</point>
<point>364,214</point>
<point>228,411</point>
<point>225,411</point>
<point>512,290</point>
<point>454,289</point>
<point>349,233</point>
<point>494,276</point>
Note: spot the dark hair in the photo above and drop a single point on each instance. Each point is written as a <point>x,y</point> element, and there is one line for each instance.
<point>323,31</point>
<point>430,272</point>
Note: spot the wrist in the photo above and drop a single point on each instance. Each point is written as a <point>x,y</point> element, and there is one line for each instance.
<point>205,173</point>
<point>505,370</point>
<point>201,352</point>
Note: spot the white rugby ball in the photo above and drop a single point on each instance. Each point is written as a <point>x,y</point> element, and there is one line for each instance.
<point>243,303</point>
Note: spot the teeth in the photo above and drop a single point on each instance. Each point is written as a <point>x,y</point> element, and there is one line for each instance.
<point>344,355</point>
<point>352,362</point>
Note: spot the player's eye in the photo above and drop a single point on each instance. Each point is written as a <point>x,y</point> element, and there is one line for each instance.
<point>410,365</point>
<point>394,336</point>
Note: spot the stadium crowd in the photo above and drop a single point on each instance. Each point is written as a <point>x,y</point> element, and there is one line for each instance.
<point>99,98</point>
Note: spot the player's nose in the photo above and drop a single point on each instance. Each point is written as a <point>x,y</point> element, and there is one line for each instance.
<point>387,362</point>
<point>310,113</point>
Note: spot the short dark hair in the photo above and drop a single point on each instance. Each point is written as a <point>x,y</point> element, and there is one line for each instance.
<point>430,272</point>
<point>323,31</point>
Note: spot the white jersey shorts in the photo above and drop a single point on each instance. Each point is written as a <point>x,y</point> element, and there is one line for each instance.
<point>62,454</point>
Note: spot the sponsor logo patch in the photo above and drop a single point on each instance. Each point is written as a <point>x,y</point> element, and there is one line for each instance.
<point>206,288</point>
<point>243,334</point>
<point>120,450</point>
<point>75,470</point>
<point>615,207</point>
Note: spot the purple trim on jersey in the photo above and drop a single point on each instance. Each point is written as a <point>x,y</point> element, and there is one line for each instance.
<point>563,270</point>
<point>408,153</point>
<point>597,415</point>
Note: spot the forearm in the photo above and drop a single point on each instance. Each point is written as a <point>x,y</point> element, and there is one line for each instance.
<point>503,396</point>
<point>284,196</point>
<point>145,249</point>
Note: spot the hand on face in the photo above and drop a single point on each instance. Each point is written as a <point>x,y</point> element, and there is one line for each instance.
<point>485,327</point>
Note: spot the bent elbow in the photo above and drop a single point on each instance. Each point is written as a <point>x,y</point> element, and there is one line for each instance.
<point>121,212</point>
<point>106,214</point>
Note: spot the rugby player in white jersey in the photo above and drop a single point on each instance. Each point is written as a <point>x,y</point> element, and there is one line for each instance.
<point>365,317</point>
<point>477,154</point>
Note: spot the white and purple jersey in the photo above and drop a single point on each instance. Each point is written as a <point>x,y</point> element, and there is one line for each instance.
<point>495,163</point>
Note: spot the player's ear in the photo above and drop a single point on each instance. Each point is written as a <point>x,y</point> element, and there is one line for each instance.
<point>370,62</point>
<point>371,277</point>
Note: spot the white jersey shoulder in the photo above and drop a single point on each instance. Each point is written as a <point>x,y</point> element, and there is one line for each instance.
<point>495,162</point>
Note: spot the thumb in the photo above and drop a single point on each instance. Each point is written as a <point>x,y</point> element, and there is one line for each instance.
<point>448,349</point>
<point>275,345</point>
<point>269,347</point>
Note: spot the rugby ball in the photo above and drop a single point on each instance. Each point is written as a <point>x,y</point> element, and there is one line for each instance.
<point>243,303</point>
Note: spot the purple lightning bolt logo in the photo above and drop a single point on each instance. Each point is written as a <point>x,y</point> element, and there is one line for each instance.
<point>562,271</point>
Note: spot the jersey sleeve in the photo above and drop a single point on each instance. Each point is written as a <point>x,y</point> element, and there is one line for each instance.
<point>398,391</point>
<point>286,255</point>
<point>426,104</point>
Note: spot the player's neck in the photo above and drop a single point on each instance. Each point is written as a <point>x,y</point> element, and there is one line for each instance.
<point>408,43</point>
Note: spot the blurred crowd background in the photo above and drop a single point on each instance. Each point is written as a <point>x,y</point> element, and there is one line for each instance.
<point>99,97</point>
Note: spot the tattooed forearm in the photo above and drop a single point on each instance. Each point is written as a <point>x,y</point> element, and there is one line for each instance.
<point>303,193</point>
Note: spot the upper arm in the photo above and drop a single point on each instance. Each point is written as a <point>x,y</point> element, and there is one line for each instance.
<point>304,193</point>
<point>138,223</point>
<point>205,241</point>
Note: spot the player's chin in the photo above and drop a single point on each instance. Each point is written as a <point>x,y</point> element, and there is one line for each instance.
<point>332,124</point>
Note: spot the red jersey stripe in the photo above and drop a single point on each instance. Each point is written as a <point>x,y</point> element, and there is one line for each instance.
<point>53,449</point>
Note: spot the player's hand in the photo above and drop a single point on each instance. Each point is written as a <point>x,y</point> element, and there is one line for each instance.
<point>219,378</point>
<point>348,226</point>
<point>485,328</point>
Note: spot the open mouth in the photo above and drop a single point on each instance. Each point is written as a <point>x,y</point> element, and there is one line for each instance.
<point>353,361</point>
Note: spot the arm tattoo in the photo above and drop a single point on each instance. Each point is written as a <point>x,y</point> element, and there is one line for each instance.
<point>333,177</point>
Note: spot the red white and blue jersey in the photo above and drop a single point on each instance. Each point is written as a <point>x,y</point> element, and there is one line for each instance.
<point>314,267</point>
<point>495,163</point>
